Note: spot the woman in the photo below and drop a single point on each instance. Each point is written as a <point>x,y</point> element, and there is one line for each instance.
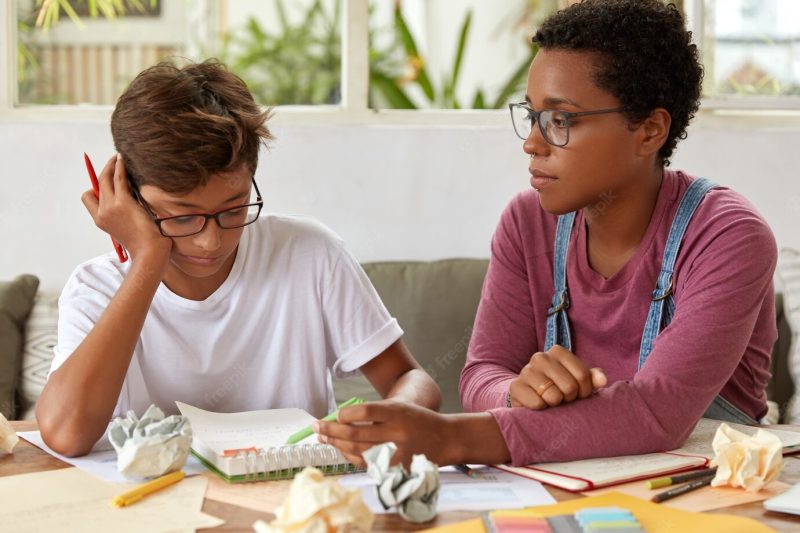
<point>624,300</point>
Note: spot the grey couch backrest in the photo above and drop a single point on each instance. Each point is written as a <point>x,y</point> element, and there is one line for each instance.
<point>780,388</point>
<point>435,303</point>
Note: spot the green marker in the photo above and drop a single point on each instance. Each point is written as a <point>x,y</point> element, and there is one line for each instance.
<point>306,431</point>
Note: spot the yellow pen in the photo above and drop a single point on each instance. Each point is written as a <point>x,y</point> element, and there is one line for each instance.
<point>133,496</point>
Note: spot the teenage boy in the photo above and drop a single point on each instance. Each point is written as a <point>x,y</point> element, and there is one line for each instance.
<point>220,307</point>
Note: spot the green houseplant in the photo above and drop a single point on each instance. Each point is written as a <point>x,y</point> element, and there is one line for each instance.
<point>299,63</point>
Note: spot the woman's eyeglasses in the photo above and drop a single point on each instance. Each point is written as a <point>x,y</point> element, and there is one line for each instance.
<point>553,124</point>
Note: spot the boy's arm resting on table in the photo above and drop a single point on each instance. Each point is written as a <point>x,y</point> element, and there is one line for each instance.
<point>78,399</point>
<point>396,375</point>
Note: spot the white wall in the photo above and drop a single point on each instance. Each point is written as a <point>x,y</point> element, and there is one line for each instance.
<point>393,192</point>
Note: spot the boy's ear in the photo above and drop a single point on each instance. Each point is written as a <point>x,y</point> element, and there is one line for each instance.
<point>654,131</point>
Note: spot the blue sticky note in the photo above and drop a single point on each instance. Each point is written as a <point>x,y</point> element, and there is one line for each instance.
<point>602,513</point>
<point>603,527</point>
<point>586,520</point>
<point>606,519</point>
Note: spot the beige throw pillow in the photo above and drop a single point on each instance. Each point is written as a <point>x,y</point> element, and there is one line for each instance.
<point>41,332</point>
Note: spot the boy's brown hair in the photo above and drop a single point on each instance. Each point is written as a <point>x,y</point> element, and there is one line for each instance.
<point>175,127</point>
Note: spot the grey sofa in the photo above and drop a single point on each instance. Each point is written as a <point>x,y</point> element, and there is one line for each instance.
<point>435,303</point>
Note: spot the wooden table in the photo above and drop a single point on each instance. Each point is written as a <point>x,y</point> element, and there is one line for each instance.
<point>28,458</point>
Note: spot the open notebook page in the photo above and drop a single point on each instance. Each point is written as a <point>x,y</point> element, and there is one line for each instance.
<point>262,429</point>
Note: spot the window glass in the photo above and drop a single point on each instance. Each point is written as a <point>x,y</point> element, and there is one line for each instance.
<point>289,52</point>
<point>752,48</point>
<point>422,54</point>
<point>451,53</point>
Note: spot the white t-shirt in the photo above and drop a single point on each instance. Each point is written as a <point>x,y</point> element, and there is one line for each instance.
<point>295,307</point>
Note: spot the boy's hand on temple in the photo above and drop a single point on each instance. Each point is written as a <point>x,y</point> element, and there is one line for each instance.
<point>119,214</point>
<point>554,377</point>
<point>412,428</point>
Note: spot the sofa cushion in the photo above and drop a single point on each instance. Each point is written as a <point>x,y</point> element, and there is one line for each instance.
<point>16,299</point>
<point>435,303</point>
<point>41,332</point>
<point>789,272</point>
<point>780,387</point>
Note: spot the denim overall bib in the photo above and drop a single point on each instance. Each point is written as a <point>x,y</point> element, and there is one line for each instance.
<point>662,305</point>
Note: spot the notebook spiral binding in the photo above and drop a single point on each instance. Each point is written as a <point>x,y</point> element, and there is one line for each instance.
<point>281,462</point>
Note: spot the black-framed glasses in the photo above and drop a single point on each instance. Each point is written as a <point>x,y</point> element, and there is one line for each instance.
<point>553,124</point>
<point>194,223</point>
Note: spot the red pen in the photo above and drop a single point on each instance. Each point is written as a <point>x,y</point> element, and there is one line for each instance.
<point>121,253</point>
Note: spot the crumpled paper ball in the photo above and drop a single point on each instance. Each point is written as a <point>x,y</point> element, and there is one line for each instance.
<point>317,504</point>
<point>414,493</point>
<point>745,461</point>
<point>152,446</point>
<point>8,437</point>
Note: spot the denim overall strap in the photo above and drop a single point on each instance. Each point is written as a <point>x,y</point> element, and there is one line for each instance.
<point>662,305</point>
<point>557,322</point>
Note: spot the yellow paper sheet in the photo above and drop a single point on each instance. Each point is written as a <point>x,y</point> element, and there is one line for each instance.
<point>705,499</point>
<point>653,517</point>
<point>72,500</point>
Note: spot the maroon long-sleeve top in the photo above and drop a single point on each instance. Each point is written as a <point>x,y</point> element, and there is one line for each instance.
<point>719,341</point>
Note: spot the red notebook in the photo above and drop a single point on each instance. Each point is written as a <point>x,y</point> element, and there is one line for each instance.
<point>590,474</point>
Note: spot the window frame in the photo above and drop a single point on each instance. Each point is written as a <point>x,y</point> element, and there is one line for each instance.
<point>354,108</point>
<point>695,15</point>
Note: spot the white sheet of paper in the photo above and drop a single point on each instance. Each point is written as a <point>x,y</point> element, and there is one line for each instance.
<point>102,461</point>
<point>262,429</point>
<point>72,500</point>
<point>492,489</point>
<point>788,502</point>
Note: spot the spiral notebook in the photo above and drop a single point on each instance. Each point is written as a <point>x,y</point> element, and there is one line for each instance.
<point>251,446</point>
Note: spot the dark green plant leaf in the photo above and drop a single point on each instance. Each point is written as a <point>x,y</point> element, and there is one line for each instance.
<point>478,102</point>
<point>462,41</point>
<point>412,52</point>
<point>391,91</point>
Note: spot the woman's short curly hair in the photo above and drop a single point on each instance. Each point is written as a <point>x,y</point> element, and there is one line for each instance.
<point>648,59</point>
